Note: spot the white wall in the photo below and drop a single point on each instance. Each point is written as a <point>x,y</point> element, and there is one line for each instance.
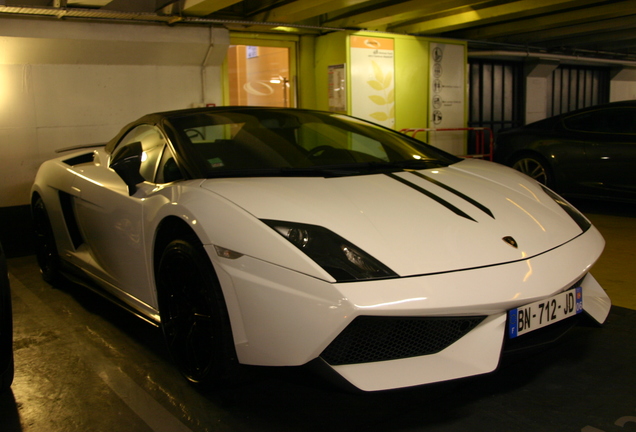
<point>622,87</point>
<point>64,84</point>
<point>537,72</point>
<point>622,90</point>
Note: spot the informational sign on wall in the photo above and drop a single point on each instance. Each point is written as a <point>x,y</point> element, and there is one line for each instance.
<point>447,96</point>
<point>373,79</point>
<point>337,88</point>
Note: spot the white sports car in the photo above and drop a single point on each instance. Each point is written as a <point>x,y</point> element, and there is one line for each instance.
<point>287,237</point>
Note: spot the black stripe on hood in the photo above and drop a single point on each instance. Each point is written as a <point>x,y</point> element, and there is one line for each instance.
<point>432,196</point>
<point>456,192</point>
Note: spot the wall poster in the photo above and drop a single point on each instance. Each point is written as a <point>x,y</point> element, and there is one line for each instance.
<point>373,79</point>
<point>447,96</point>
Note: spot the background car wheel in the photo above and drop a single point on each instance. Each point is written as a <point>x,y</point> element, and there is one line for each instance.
<point>194,317</point>
<point>46,249</point>
<point>535,168</point>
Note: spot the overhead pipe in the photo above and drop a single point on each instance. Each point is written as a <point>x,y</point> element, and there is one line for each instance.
<point>549,56</point>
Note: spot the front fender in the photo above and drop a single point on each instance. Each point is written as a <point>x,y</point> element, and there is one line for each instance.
<point>208,214</point>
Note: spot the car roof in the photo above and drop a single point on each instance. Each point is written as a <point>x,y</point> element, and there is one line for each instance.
<point>159,117</point>
<point>551,121</point>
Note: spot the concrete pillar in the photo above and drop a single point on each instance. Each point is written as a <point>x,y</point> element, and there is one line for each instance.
<point>623,84</point>
<point>537,72</point>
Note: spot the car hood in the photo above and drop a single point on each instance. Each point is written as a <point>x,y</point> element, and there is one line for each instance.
<point>470,214</point>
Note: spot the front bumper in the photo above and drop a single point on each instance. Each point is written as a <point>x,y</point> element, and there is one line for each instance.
<point>477,352</point>
<point>283,318</point>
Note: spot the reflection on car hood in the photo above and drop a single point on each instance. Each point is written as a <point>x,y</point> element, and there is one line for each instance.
<point>417,222</point>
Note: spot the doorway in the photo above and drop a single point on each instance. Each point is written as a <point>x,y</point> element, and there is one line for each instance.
<point>259,76</point>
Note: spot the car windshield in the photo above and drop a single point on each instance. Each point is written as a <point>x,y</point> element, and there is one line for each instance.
<point>255,142</point>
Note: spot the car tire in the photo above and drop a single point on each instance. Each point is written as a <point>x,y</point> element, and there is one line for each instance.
<point>193,314</point>
<point>6,328</point>
<point>534,167</point>
<point>6,378</point>
<point>46,248</point>
<point>6,335</point>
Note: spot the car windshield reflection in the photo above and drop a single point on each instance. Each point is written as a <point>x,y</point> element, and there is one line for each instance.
<point>285,142</point>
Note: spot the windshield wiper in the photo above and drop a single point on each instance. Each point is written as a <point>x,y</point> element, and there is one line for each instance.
<point>407,164</point>
<point>323,170</point>
<point>318,171</point>
<point>333,170</point>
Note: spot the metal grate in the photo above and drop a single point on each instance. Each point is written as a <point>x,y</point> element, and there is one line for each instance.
<point>496,94</point>
<point>574,87</point>
<point>372,339</point>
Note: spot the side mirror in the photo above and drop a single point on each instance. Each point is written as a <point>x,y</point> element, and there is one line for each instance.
<point>126,162</point>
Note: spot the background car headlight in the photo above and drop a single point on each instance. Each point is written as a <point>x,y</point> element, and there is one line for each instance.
<point>340,258</point>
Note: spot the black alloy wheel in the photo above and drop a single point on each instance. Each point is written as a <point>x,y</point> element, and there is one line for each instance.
<point>535,168</point>
<point>46,249</point>
<point>193,314</point>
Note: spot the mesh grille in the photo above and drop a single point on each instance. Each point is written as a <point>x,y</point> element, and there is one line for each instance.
<point>372,339</point>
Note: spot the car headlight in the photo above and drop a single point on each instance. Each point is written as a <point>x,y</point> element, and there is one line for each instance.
<point>576,215</point>
<point>338,257</point>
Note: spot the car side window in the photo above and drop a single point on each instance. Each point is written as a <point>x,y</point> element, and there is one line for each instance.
<point>168,170</point>
<point>152,144</point>
<point>611,120</point>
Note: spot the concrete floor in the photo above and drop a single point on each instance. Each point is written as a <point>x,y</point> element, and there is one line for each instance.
<point>616,269</point>
<point>83,365</point>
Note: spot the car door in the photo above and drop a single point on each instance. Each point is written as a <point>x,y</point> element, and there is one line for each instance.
<point>611,151</point>
<point>111,220</point>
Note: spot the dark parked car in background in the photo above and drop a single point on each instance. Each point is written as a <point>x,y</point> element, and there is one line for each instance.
<point>6,327</point>
<point>590,152</point>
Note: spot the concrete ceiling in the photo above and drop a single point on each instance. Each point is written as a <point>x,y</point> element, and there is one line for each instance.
<point>588,28</point>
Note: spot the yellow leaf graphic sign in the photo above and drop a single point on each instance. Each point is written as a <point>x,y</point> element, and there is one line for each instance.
<point>378,100</point>
<point>380,116</point>
<point>382,83</point>
<point>372,77</point>
<point>376,85</point>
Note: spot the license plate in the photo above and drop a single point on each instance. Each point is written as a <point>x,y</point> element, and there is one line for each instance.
<point>539,314</point>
